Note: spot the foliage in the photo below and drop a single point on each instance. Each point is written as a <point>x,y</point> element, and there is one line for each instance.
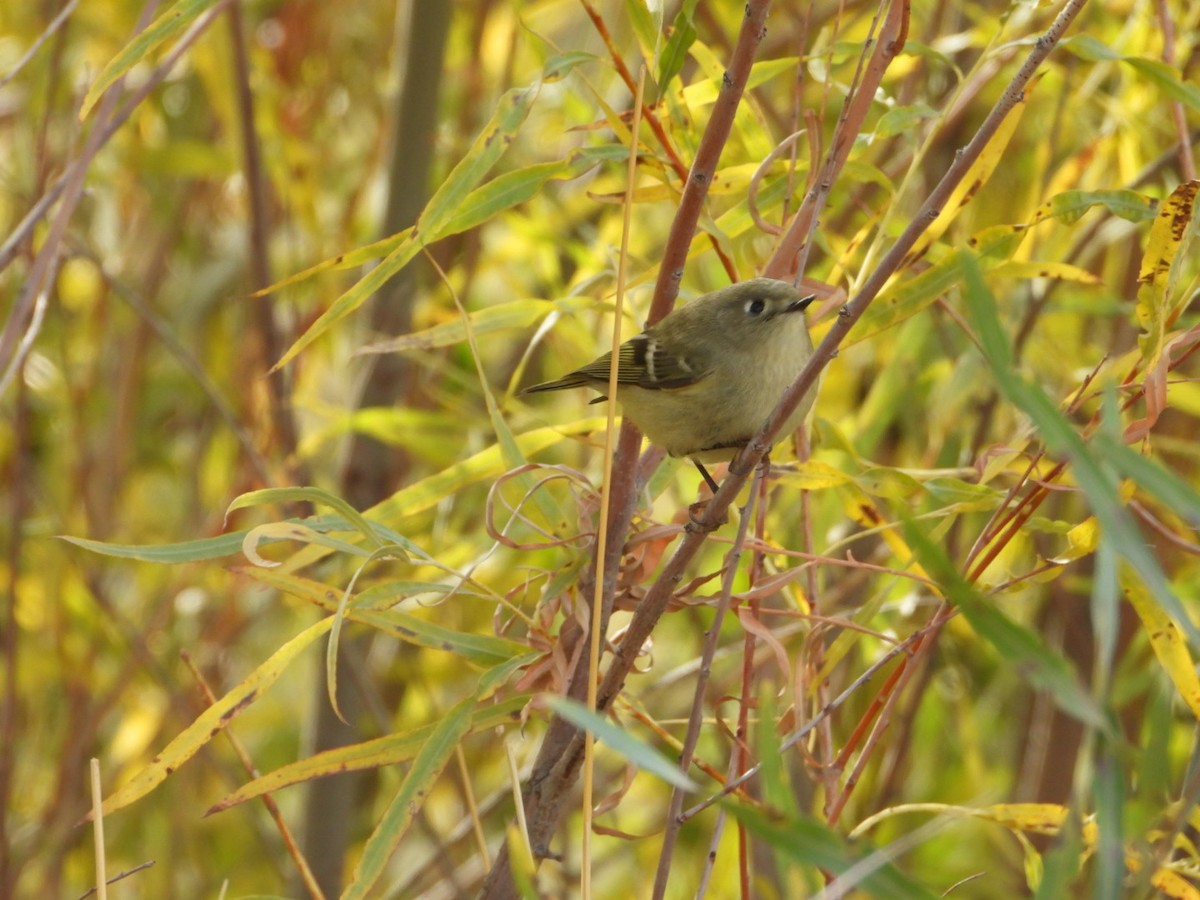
<point>949,646</point>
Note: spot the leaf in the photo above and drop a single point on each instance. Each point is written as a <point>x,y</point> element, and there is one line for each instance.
<point>306,495</point>
<point>490,319</point>
<point>172,22</point>
<point>976,177</point>
<point>1168,645</point>
<point>1097,481</point>
<point>1018,647</point>
<point>428,764</point>
<point>1069,206</point>
<point>902,119</point>
<point>1028,268</point>
<point>640,754</point>
<point>481,649</point>
<point>373,754</point>
<point>703,92</point>
<point>1161,75</point>
<point>683,34</point>
<point>213,720</point>
<point>444,214</point>
<point>1167,246</point>
<point>808,843</point>
<point>170,554</point>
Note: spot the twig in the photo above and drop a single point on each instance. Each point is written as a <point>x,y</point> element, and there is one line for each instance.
<point>557,765</point>
<point>306,875</point>
<point>120,876</point>
<point>70,187</point>
<point>656,126</point>
<point>46,34</point>
<point>692,736</point>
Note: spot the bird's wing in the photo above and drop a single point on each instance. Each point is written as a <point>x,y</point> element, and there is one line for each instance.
<point>642,361</point>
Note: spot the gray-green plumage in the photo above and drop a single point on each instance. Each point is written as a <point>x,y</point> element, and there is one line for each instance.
<point>703,380</point>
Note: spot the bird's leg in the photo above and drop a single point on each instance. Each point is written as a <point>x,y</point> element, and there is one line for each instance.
<point>712,485</point>
<point>697,509</point>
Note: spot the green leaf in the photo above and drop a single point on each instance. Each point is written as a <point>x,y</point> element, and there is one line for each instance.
<point>901,119</point>
<point>683,34</point>
<point>442,214</point>
<point>808,843</point>
<point>169,554</point>
<point>646,28</point>
<point>1157,73</point>
<point>481,649</point>
<point>172,22</point>
<point>1069,206</point>
<point>1020,648</point>
<point>641,755</point>
<point>1096,479</point>
<point>306,495</point>
<point>432,758</point>
<point>490,319</point>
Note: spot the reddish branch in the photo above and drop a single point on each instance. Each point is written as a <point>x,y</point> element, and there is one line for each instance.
<point>557,766</point>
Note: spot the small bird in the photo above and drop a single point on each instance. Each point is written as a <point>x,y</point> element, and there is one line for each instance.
<point>702,381</point>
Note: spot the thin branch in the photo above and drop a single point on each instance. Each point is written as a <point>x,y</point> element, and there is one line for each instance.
<point>46,34</point>
<point>692,735</point>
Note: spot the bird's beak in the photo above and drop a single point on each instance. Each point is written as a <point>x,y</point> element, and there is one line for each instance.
<point>801,304</point>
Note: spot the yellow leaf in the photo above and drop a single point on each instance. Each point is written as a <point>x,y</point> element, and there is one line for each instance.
<point>1168,644</point>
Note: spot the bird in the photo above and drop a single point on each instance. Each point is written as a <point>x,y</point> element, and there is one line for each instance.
<point>702,381</point>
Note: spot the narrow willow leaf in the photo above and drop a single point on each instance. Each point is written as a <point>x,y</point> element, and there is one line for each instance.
<point>705,92</point>
<point>168,554</point>
<point>490,319</point>
<point>428,764</point>
<point>213,720</point>
<point>1108,792</point>
<point>1167,247</point>
<point>1069,206</point>
<point>307,495</point>
<point>904,299</point>
<point>481,649</point>
<point>809,843</point>
<point>1168,644</point>
<point>508,190</point>
<point>902,120</point>
<point>1161,75</point>
<point>438,218</point>
<point>352,259</point>
<point>647,26</point>
<point>1025,269</point>
<point>384,751</point>
<point>674,54</point>
<point>487,464</point>
<point>273,532</point>
<point>977,175</point>
<point>811,475</point>
<point>1099,484</point>
<point>1164,485</point>
<point>172,22</point>
<point>640,754</point>
<point>1019,648</point>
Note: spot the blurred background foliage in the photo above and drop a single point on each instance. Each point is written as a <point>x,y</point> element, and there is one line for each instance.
<point>141,407</point>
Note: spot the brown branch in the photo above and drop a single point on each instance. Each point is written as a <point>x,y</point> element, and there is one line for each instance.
<point>791,256</point>
<point>692,735</point>
<point>664,140</point>
<point>557,765</point>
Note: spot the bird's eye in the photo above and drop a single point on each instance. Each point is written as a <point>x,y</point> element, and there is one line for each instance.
<point>755,307</point>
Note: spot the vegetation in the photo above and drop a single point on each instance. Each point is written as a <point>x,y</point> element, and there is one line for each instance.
<point>284,543</point>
